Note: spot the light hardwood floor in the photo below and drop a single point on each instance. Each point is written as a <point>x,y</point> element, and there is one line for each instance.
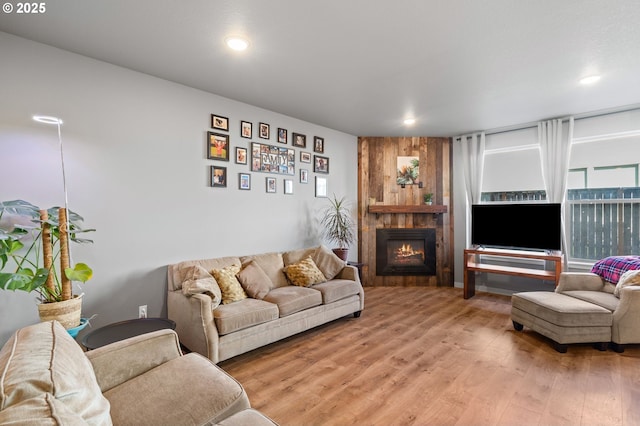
<point>426,356</point>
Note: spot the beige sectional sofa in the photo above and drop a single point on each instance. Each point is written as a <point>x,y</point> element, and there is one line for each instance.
<point>47,379</point>
<point>272,307</point>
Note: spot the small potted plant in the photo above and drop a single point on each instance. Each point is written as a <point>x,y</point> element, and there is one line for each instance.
<point>32,266</point>
<point>338,226</point>
<point>428,198</point>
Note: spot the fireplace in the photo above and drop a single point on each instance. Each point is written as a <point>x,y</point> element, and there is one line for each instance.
<point>406,251</point>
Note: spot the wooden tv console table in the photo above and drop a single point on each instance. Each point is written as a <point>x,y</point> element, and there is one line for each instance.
<point>472,265</point>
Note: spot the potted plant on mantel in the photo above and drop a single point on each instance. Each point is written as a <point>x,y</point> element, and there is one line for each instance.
<point>24,267</point>
<point>428,198</point>
<point>338,226</point>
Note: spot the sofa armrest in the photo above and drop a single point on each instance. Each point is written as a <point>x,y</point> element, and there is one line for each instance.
<point>626,319</point>
<point>588,281</point>
<point>350,272</point>
<point>121,361</point>
<point>193,316</point>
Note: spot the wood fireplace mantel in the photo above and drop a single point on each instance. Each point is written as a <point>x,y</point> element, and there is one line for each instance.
<point>393,209</point>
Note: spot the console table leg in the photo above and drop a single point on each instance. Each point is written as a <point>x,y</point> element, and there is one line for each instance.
<point>469,284</point>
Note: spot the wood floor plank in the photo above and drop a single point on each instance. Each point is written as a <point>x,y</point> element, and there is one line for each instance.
<point>425,355</point>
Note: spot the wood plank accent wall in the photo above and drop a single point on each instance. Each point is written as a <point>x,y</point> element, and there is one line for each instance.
<point>377,161</point>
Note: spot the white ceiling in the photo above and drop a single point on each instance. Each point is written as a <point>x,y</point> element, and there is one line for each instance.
<point>361,66</point>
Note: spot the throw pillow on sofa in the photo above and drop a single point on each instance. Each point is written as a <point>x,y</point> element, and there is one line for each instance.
<point>328,262</point>
<point>254,281</point>
<point>229,285</point>
<point>304,273</point>
<point>631,277</point>
<point>200,281</point>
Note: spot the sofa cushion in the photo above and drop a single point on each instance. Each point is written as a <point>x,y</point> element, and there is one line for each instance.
<point>561,309</point>
<point>304,273</point>
<point>337,289</point>
<point>40,411</point>
<point>243,314</point>
<point>611,268</point>
<point>295,256</point>
<point>229,285</point>
<point>179,272</point>
<point>254,281</point>
<point>600,298</point>
<point>162,396</point>
<point>249,417</point>
<point>328,262</point>
<point>271,264</point>
<point>199,280</point>
<point>628,278</point>
<point>43,359</point>
<point>292,299</point>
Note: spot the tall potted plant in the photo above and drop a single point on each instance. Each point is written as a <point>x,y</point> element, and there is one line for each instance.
<point>32,266</point>
<point>338,226</point>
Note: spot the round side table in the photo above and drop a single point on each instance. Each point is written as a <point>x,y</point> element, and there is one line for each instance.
<point>123,330</point>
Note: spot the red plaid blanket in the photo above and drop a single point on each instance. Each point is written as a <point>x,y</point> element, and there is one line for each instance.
<point>611,268</point>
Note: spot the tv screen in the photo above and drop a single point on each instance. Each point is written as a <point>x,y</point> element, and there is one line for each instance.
<point>521,226</point>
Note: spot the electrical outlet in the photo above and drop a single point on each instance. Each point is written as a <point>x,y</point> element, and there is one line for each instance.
<point>142,311</point>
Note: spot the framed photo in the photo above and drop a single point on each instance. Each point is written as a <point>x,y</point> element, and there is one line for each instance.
<point>271,184</point>
<point>244,181</point>
<point>305,157</point>
<point>318,144</point>
<point>320,164</point>
<point>304,176</point>
<point>273,159</point>
<point>299,140</point>
<point>219,122</point>
<point>218,176</point>
<point>218,148</point>
<point>321,186</point>
<point>288,186</point>
<point>241,155</point>
<point>282,135</point>
<point>264,131</point>
<point>246,129</point>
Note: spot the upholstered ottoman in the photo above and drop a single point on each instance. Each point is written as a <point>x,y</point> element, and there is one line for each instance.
<point>562,318</point>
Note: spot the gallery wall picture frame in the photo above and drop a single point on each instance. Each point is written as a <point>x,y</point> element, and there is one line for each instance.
<point>318,144</point>
<point>304,176</point>
<point>246,129</point>
<point>218,146</point>
<point>288,186</point>
<point>244,181</point>
<point>273,159</point>
<point>271,184</point>
<point>282,135</point>
<point>299,140</point>
<point>305,157</point>
<point>241,155</point>
<point>320,164</point>
<point>219,122</point>
<point>218,176</point>
<point>321,187</point>
<point>264,130</point>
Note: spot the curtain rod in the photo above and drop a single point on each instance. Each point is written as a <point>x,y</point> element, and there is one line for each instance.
<point>577,117</point>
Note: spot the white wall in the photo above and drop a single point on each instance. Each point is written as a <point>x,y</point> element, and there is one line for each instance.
<point>135,154</point>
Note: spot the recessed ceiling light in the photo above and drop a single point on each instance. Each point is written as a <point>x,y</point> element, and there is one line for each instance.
<point>589,80</point>
<point>237,43</point>
<point>409,121</point>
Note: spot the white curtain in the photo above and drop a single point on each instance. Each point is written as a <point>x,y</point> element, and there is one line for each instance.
<point>473,162</point>
<point>555,148</point>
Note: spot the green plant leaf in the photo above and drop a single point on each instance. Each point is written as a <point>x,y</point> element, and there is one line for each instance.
<point>24,279</point>
<point>80,272</point>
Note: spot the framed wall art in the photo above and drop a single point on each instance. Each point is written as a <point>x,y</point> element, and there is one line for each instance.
<point>246,129</point>
<point>271,184</point>
<point>282,135</point>
<point>305,157</point>
<point>219,122</point>
<point>299,140</point>
<point>244,181</point>
<point>288,186</point>
<point>241,155</point>
<point>218,146</point>
<point>320,164</point>
<point>218,176</point>
<point>408,170</point>
<point>321,187</point>
<point>272,159</point>
<point>304,176</point>
<point>264,130</point>
<point>318,144</point>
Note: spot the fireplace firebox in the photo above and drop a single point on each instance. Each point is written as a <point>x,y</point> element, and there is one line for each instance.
<point>405,252</point>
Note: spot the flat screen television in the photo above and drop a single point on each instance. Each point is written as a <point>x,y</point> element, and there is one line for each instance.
<point>517,226</point>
